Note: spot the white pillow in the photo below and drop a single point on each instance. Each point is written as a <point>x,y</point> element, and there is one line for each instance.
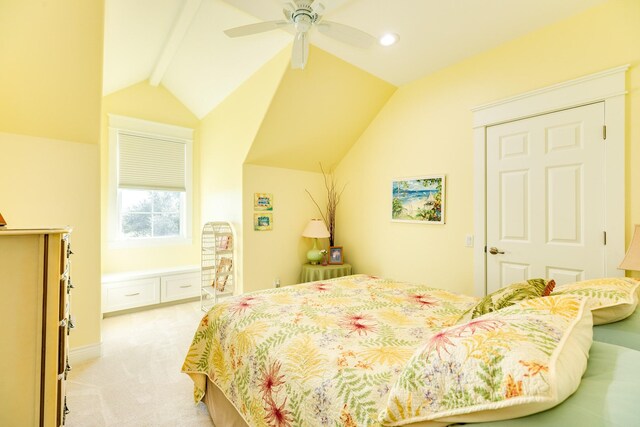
<point>513,362</point>
<point>610,299</point>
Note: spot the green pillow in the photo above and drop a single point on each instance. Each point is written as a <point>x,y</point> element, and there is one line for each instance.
<point>509,295</point>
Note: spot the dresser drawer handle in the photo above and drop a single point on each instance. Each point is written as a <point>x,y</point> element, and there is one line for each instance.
<point>185,286</point>
<point>132,295</point>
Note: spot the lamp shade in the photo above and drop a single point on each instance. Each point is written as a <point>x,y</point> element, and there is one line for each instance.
<point>316,228</point>
<point>631,260</point>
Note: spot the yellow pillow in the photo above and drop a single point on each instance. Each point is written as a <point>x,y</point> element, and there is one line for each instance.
<point>610,299</point>
<point>510,363</point>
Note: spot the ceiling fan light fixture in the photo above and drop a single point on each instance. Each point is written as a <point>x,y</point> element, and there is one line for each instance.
<point>388,39</point>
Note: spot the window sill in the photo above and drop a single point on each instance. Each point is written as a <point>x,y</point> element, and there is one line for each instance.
<point>150,242</point>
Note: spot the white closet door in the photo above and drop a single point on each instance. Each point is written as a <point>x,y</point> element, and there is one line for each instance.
<point>545,197</point>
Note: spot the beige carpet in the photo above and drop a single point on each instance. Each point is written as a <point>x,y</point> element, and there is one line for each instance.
<point>138,382</point>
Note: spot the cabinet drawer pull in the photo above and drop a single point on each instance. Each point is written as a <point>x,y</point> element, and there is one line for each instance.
<point>185,286</point>
<point>132,295</point>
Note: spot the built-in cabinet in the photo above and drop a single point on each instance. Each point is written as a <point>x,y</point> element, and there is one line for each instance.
<point>35,277</point>
<point>146,288</point>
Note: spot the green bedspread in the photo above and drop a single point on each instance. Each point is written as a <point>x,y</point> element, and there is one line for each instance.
<point>625,333</point>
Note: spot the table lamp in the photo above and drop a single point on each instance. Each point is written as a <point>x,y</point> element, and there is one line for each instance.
<point>631,260</point>
<point>315,230</point>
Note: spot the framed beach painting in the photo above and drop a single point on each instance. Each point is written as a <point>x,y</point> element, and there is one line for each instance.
<point>420,199</point>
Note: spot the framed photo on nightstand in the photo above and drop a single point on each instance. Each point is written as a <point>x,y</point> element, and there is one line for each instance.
<point>335,255</point>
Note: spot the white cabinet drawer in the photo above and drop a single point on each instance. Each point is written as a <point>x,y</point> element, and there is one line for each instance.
<point>179,286</point>
<point>130,294</point>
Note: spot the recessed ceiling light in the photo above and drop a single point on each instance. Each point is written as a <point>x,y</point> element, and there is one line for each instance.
<point>388,39</point>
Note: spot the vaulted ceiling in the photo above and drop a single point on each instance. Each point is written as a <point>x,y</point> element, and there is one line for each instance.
<point>180,44</point>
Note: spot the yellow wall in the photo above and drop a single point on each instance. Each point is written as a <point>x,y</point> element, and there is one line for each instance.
<point>318,113</point>
<point>281,252</point>
<point>426,128</point>
<point>315,116</point>
<point>50,92</point>
<point>53,183</point>
<point>51,68</point>
<point>226,134</point>
<point>143,101</point>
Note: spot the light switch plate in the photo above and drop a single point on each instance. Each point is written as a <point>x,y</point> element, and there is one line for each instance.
<point>468,241</point>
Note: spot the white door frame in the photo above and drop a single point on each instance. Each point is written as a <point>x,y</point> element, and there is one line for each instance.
<point>607,86</point>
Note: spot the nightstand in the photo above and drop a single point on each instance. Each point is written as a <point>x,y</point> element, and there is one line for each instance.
<point>312,273</point>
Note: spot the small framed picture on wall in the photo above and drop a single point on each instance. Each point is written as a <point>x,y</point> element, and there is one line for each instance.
<point>263,201</point>
<point>335,255</point>
<point>263,221</point>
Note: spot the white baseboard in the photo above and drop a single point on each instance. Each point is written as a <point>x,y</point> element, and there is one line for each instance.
<point>84,353</point>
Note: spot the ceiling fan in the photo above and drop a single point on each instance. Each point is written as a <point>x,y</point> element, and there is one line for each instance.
<point>302,15</point>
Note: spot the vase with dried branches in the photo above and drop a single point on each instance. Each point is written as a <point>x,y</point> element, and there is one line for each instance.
<point>333,198</point>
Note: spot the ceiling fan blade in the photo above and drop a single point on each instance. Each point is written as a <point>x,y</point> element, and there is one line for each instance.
<point>346,34</point>
<point>317,7</point>
<point>288,10</point>
<point>260,27</point>
<point>300,51</point>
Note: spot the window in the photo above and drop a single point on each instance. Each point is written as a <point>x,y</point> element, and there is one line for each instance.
<point>150,213</point>
<point>151,179</point>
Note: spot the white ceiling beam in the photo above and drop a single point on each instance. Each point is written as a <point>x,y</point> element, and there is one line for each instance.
<point>175,38</point>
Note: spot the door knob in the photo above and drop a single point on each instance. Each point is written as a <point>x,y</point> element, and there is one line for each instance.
<point>494,251</point>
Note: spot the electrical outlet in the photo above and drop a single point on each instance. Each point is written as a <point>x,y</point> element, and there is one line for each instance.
<point>468,241</point>
<point>276,282</point>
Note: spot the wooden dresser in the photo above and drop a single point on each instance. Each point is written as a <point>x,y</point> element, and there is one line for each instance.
<point>35,284</point>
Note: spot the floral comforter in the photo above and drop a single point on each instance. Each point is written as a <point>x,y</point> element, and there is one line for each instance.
<point>317,354</point>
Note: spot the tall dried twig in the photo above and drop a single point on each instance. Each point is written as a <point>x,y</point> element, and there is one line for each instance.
<point>333,199</point>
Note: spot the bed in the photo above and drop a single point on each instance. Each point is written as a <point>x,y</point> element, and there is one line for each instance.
<point>609,391</point>
<point>329,353</point>
<point>625,333</point>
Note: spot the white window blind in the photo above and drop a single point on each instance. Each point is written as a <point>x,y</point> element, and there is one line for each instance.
<point>151,163</point>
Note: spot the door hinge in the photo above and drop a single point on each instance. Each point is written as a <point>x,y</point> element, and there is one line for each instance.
<point>605,237</point>
<point>485,249</point>
<point>604,132</point>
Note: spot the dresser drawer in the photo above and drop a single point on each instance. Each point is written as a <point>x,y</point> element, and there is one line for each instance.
<point>62,408</point>
<point>63,309</point>
<point>65,252</point>
<point>179,286</point>
<point>63,347</point>
<point>130,294</point>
